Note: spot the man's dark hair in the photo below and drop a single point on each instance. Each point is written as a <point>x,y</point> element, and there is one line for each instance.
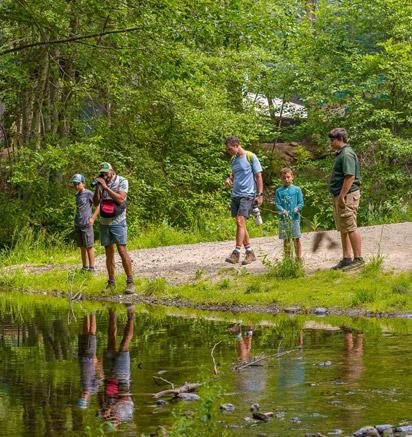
<point>339,133</point>
<point>232,141</point>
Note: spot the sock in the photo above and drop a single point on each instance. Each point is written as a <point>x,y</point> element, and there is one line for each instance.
<point>248,246</point>
<point>238,248</point>
<point>239,337</point>
<point>111,278</point>
<point>130,277</point>
<point>85,268</point>
<point>249,334</point>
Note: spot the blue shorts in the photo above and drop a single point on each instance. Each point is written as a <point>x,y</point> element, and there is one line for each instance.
<point>113,234</point>
<point>289,229</point>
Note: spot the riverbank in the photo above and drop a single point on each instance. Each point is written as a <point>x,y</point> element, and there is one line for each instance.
<point>194,276</point>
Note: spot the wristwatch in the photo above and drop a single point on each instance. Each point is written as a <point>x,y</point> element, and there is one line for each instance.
<point>259,194</point>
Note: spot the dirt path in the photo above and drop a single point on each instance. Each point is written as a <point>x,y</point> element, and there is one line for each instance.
<point>179,263</point>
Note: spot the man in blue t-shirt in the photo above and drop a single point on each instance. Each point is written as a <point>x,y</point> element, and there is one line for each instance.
<point>247,188</point>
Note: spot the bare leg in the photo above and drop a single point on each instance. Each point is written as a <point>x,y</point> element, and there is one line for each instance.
<point>126,262</point>
<point>90,253</point>
<point>286,248</point>
<point>298,247</point>
<point>110,265</point>
<point>356,243</point>
<point>346,245</point>
<point>83,251</point>
<point>241,231</point>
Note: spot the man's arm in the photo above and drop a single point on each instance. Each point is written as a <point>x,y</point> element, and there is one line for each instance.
<point>347,183</point>
<point>96,197</point>
<point>118,197</point>
<point>259,182</point>
<point>229,181</point>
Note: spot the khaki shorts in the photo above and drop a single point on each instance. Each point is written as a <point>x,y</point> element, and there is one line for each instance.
<point>345,216</point>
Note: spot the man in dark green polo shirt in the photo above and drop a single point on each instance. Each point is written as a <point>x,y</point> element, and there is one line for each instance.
<point>344,186</point>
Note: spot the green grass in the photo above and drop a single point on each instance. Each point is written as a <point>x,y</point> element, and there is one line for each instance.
<point>373,291</point>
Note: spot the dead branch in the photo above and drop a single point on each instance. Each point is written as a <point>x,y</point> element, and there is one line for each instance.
<point>186,388</point>
<point>162,379</point>
<point>264,358</point>
<point>213,358</point>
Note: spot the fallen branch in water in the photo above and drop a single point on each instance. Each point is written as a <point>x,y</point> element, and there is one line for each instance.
<point>251,363</point>
<point>162,379</point>
<point>186,388</point>
<point>213,358</point>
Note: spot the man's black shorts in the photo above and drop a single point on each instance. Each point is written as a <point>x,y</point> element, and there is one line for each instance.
<point>242,206</point>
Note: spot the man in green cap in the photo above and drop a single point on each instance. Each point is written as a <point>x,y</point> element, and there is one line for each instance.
<point>111,194</point>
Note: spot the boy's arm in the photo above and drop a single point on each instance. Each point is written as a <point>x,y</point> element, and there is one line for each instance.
<point>278,201</point>
<point>300,204</point>
<point>93,217</point>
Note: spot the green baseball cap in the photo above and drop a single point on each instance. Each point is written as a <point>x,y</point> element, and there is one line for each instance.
<point>105,167</point>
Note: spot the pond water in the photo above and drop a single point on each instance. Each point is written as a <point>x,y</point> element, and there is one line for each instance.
<point>68,369</point>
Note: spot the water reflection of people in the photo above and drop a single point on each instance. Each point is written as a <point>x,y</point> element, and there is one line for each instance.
<point>353,355</point>
<point>115,401</point>
<point>244,346</point>
<point>91,372</point>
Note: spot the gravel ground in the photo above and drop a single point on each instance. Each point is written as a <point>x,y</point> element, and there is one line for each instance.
<point>179,264</point>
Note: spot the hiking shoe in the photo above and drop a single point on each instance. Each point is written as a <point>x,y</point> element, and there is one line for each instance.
<point>357,262</point>
<point>250,256</point>
<point>233,258</point>
<point>130,288</point>
<point>111,285</point>
<point>344,262</point>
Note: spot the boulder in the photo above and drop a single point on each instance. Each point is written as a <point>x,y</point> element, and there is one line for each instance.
<point>367,431</point>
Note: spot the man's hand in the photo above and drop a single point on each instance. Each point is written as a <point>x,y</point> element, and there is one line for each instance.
<point>91,221</point>
<point>341,201</point>
<point>229,182</point>
<point>295,211</point>
<point>102,182</point>
<point>285,212</point>
<point>259,200</point>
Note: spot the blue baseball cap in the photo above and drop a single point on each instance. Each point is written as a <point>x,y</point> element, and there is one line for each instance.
<point>78,178</point>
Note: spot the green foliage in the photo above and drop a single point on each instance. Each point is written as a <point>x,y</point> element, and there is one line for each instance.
<point>158,101</point>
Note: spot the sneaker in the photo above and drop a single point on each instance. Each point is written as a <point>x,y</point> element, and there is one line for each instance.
<point>356,263</point>
<point>233,258</point>
<point>344,262</point>
<point>85,269</point>
<point>250,256</point>
<point>130,288</point>
<point>111,285</point>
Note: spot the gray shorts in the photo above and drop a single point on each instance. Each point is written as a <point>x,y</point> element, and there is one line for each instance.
<point>242,206</point>
<point>115,233</point>
<point>289,229</point>
<point>84,236</point>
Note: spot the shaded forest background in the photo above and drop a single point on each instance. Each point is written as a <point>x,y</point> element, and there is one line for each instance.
<point>155,87</point>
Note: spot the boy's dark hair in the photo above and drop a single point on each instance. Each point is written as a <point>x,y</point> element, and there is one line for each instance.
<point>233,140</point>
<point>286,170</point>
<point>339,133</point>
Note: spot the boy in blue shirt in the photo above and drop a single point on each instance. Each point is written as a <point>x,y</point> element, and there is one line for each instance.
<point>289,202</point>
<point>83,222</point>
